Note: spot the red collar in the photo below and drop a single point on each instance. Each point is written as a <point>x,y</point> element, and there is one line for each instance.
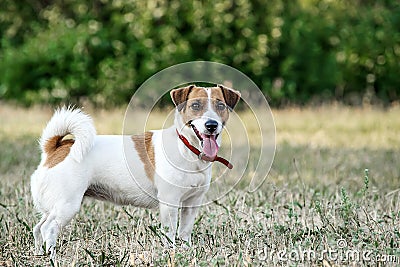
<point>201,154</point>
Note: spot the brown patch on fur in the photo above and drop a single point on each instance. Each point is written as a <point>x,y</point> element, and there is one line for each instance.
<point>198,92</point>
<point>231,96</point>
<point>56,150</point>
<point>218,96</point>
<point>144,147</point>
<point>197,95</point>
<point>179,96</point>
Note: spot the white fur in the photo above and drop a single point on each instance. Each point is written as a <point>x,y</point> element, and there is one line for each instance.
<point>112,166</point>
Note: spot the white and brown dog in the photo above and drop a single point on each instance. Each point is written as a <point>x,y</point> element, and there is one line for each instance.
<point>168,168</point>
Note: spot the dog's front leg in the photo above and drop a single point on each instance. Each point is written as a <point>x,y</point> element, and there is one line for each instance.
<point>188,215</point>
<point>169,221</point>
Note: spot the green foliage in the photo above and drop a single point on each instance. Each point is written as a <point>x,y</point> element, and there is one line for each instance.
<point>296,51</point>
<point>346,206</point>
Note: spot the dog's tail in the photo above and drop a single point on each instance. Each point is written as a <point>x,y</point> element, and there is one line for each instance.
<point>69,121</point>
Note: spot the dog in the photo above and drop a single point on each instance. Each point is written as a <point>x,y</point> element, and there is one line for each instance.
<point>168,168</point>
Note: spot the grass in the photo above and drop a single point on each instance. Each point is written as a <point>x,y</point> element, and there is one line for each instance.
<point>333,190</point>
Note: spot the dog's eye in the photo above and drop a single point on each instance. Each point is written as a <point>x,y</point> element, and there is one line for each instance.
<point>195,106</point>
<point>221,106</point>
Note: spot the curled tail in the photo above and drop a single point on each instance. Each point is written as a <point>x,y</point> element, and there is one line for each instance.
<point>67,121</point>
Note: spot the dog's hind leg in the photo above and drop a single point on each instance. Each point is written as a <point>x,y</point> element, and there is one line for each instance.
<point>50,230</point>
<point>38,236</point>
<point>60,216</point>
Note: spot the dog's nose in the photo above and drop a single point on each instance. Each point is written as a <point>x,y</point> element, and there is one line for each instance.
<point>211,125</point>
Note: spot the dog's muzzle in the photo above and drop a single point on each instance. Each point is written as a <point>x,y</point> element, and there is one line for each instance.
<point>209,145</point>
<point>208,140</point>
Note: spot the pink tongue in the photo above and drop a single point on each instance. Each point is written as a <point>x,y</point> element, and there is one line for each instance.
<point>210,146</point>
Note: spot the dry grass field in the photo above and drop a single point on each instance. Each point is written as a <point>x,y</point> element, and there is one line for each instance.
<point>332,198</point>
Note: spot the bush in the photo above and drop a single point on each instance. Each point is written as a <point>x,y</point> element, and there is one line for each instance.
<point>296,51</point>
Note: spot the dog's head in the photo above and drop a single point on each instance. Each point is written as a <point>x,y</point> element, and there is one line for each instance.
<point>202,113</point>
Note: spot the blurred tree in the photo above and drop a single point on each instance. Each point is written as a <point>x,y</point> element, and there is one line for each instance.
<point>297,51</point>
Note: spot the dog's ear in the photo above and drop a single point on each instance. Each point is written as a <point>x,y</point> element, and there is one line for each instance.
<point>180,96</point>
<point>231,96</point>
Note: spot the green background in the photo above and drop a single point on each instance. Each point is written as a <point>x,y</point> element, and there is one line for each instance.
<point>297,51</point>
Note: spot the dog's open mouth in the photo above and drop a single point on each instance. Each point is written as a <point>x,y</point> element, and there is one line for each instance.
<point>208,142</point>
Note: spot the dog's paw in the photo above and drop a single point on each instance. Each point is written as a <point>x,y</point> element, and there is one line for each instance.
<point>39,250</point>
<point>53,253</point>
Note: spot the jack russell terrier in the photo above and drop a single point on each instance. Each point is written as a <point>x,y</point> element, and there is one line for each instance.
<point>95,166</point>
